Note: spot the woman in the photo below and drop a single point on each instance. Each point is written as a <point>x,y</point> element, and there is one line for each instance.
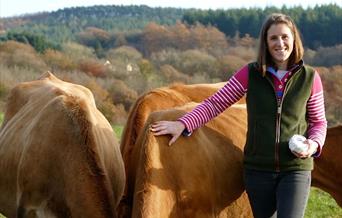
<point>284,98</point>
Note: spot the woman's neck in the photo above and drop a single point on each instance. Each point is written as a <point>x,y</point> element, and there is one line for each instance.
<point>281,65</point>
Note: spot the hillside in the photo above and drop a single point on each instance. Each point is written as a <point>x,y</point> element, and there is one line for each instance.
<point>320,25</point>
<point>120,52</point>
<point>62,25</point>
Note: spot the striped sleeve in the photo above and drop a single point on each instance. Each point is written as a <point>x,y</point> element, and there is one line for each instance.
<point>317,129</point>
<point>230,93</point>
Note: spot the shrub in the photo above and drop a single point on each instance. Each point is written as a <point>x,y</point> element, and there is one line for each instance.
<point>182,37</point>
<point>194,61</point>
<point>3,90</point>
<point>10,76</point>
<point>125,54</point>
<point>121,94</point>
<point>16,54</point>
<point>93,67</point>
<point>248,54</point>
<point>325,56</point>
<point>170,75</point>
<point>102,98</point>
<point>332,85</point>
<point>77,52</point>
<point>119,115</point>
<point>168,56</point>
<point>56,60</point>
<point>228,65</point>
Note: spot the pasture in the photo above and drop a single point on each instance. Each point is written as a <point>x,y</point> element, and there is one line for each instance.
<point>320,204</point>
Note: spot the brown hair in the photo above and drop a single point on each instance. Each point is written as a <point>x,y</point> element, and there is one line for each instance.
<point>264,58</point>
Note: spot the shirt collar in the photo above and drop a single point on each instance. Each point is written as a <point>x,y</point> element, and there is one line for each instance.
<point>292,68</point>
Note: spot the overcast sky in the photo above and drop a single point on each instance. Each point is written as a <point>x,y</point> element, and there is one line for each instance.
<point>19,7</point>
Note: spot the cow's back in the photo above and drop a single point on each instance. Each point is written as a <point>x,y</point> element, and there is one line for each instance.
<point>198,176</point>
<point>58,152</point>
<point>160,99</point>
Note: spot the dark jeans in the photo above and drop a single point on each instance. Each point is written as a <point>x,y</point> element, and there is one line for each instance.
<point>281,195</point>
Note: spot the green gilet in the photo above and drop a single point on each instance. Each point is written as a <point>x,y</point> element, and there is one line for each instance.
<point>271,124</point>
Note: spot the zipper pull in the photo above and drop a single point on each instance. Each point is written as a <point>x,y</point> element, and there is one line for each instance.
<point>279,106</point>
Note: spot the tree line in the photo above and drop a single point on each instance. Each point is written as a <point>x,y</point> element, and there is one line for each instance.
<point>319,25</point>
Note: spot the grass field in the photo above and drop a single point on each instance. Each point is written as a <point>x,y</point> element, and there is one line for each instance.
<point>320,205</point>
<point>118,130</point>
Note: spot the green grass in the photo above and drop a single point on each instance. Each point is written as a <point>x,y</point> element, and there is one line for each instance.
<point>118,130</point>
<point>322,205</point>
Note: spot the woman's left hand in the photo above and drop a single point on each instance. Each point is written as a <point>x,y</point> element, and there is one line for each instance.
<point>174,128</point>
<point>312,148</point>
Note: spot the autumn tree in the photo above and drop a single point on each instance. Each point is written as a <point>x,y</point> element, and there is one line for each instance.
<point>122,94</point>
<point>324,56</point>
<point>127,54</point>
<point>155,37</point>
<point>56,60</point>
<point>228,65</point>
<point>16,54</point>
<point>93,67</point>
<point>77,52</point>
<point>332,84</point>
<point>171,75</point>
<point>96,38</point>
<point>182,37</point>
<point>208,38</point>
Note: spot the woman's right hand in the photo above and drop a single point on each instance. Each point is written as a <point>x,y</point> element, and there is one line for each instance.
<point>174,128</point>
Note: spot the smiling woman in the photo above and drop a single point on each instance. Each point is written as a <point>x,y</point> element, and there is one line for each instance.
<point>284,98</point>
<point>280,44</point>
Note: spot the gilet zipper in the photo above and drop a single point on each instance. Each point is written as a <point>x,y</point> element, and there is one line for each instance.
<point>277,126</point>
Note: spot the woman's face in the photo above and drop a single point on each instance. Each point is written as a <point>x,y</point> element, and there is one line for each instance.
<point>280,44</point>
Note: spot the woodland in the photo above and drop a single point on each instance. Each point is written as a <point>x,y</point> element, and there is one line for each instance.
<point>121,52</point>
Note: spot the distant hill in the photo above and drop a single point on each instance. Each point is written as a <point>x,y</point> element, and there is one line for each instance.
<point>63,24</point>
<point>320,25</point>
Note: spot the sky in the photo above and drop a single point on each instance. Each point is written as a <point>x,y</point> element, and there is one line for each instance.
<point>20,7</point>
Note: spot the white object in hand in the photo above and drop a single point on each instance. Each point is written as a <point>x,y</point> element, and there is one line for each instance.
<point>297,144</point>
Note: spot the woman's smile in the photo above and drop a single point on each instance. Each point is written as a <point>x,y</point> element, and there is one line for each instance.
<point>280,44</point>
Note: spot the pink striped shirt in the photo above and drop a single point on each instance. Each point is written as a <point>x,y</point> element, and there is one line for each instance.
<point>236,88</point>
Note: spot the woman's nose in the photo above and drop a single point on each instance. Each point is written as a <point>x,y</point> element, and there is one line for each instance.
<point>280,42</point>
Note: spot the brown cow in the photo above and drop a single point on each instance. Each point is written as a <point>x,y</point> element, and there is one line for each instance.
<point>58,154</point>
<point>327,174</point>
<point>199,176</point>
<point>157,99</point>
